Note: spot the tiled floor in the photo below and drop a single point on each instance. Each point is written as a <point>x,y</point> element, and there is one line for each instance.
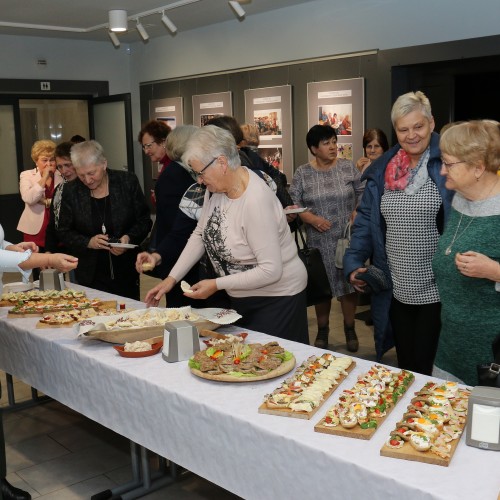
<point>57,454</point>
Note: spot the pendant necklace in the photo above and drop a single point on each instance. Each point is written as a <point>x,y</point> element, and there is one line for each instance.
<point>103,218</point>
<point>455,237</point>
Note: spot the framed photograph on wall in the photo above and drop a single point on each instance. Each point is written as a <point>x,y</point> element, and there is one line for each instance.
<point>208,106</point>
<point>270,109</point>
<point>340,104</point>
<point>168,110</point>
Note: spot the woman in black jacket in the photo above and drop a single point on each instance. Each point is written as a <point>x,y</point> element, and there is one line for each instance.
<point>103,217</point>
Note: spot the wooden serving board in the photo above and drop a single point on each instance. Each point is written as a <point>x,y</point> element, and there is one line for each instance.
<point>105,304</point>
<point>281,370</point>
<point>287,412</point>
<point>407,452</point>
<point>356,432</point>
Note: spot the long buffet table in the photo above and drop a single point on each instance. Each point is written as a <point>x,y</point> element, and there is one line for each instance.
<point>214,429</point>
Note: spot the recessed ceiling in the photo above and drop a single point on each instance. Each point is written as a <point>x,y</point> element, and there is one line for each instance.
<point>88,19</point>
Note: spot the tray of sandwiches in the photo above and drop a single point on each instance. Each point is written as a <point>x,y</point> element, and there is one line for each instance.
<point>360,411</point>
<point>430,429</point>
<point>312,383</point>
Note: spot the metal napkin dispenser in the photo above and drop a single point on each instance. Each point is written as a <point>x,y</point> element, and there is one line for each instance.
<point>50,279</point>
<point>180,341</point>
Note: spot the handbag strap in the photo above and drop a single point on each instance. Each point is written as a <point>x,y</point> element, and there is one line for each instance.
<point>298,233</point>
<point>347,231</point>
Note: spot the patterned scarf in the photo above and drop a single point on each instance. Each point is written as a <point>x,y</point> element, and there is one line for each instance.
<point>400,177</point>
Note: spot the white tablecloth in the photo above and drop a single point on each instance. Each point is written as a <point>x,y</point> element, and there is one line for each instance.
<point>214,429</point>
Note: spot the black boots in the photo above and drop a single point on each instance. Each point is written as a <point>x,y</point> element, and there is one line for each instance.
<point>9,492</point>
<point>322,338</point>
<point>351,338</point>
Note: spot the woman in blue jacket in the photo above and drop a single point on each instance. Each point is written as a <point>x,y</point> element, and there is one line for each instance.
<point>399,221</point>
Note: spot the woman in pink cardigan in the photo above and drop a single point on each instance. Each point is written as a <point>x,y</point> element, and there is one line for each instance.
<point>37,188</point>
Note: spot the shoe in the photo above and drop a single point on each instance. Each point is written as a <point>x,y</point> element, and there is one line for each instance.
<point>322,337</point>
<point>351,338</point>
<point>9,492</point>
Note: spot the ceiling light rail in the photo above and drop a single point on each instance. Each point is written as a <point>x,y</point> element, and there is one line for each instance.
<point>137,16</point>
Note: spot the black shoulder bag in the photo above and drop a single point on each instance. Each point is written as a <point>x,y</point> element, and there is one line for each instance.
<point>318,287</point>
<point>489,374</point>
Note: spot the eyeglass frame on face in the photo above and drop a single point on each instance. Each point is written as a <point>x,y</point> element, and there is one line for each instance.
<point>449,166</point>
<point>148,146</point>
<point>200,173</point>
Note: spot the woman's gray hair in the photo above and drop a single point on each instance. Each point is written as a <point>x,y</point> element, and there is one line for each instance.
<point>177,140</point>
<point>87,153</point>
<point>412,101</point>
<point>210,142</point>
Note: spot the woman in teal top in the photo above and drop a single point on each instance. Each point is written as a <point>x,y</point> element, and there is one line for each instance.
<point>467,261</point>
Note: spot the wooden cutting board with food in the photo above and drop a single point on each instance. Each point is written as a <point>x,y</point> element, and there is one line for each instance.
<point>360,411</point>
<point>313,382</point>
<point>45,306</point>
<point>65,319</point>
<point>10,299</point>
<point>430,429</point>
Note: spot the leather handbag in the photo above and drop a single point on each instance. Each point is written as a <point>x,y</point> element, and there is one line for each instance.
<point>318,287</point>
<point>489,374</point>
<point>342,245</point>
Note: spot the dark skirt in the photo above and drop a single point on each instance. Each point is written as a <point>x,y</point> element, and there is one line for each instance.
<point>284,317</point>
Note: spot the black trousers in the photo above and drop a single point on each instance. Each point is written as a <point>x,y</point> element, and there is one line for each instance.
<point>416,333</point>
<point>284,317</point>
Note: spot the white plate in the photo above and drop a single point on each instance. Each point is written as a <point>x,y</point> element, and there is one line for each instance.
<point>296,210</point>
<point>18,286</point>
<point>122,245</point>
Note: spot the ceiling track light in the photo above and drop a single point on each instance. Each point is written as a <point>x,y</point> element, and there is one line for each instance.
<point>168,23</point>
<point>238,9</point>
<point>118,21</point>
<point>142,31</point>
<point>114,39</point>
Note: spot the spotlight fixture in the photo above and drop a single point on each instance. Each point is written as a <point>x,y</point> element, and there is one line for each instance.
<point>238,9</point>
<point>168,23</point>
<point>118,20</point>
<point>142,31</point>
<point>114,39</point>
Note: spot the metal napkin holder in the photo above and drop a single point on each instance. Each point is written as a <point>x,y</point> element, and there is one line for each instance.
<point>180,341</point>
<point>50,279</point>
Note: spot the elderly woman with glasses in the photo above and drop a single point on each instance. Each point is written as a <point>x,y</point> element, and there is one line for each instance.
<point>246,236</point>
<point>103,218</point>
<point>37,190</point>
<point>399,220</point>
<point>467,261</point>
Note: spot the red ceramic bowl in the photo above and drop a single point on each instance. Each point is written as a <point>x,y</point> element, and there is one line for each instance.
<point>155,349</point>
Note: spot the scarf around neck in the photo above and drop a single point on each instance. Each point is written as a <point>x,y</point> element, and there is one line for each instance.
<point>400,177</point>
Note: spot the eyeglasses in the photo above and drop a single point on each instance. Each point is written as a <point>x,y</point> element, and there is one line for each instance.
<point>448,166</point>
<point>200,173</point>
<point>43,159</point>
<point>147,146</point>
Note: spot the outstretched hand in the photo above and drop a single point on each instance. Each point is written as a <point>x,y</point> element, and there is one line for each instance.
<point>154,295</point>
<point>202,290</point>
